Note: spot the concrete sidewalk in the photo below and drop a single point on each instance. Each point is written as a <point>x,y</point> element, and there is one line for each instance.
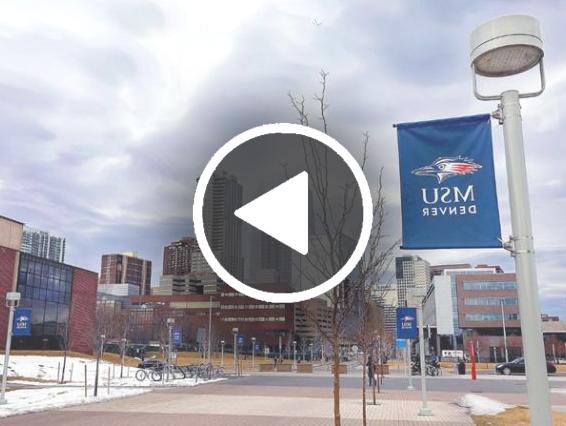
<point>252,409</point>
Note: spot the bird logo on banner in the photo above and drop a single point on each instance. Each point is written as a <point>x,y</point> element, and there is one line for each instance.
<point>446,167</point>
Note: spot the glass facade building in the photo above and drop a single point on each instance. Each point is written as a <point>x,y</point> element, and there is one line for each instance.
<point>45,287</point>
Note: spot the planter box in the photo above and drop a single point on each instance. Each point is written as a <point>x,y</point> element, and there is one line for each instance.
<point>265,367</point>
<point>342,369</point>
<point>304,368</point>
<point>287,368</point>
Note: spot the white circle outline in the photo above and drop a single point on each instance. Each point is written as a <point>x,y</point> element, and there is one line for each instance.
<point>283,128</point>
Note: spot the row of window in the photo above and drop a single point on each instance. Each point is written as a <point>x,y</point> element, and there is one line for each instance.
<point>490,300</point>
<point>254,319</point>
<point>490,285</point>
<point>230,294</point>
<point>45,268</point>
<point>271,306</point>
<point>491,316</point>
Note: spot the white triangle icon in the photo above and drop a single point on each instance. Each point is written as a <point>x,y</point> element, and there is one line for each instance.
<point>282,213</point>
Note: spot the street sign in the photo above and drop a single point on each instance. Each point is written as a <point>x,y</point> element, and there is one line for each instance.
<point>406,323</point>
<point>22,322</point>
<point>177,335</point>
<point>401,343</point>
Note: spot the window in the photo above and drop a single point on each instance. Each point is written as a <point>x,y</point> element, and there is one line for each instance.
<point>490,285</point>
<point>491,316</point>
<point>490,300</point>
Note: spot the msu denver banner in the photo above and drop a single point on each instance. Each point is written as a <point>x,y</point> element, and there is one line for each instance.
<point>448,196</point>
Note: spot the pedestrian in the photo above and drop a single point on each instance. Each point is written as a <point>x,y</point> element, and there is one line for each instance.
<point>371,368</point>
<point>274,362</point>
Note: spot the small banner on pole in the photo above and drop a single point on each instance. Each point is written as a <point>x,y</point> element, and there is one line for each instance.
<point>448,193</point>
<point>406,323</point>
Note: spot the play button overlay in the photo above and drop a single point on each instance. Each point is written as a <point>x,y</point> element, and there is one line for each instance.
<point>282,213</point>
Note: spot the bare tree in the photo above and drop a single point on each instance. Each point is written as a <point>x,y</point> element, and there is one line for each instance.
<point>345,301</point>
<point>64,344</point>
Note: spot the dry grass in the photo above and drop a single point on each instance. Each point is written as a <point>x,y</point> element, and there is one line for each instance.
<point>518,416</point>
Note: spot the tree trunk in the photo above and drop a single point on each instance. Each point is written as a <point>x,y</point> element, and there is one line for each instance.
<point>336,383</point>
<point>64,364</point>
<point>364,413</point>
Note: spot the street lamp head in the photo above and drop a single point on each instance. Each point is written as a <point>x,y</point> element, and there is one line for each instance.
<point>235,330</point>
<point>506,46</point>
<point>12,296</point>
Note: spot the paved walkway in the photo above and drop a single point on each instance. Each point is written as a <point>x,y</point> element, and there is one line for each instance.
<point>252,401</point>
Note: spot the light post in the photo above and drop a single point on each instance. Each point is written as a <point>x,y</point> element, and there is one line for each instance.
<point>235,333</point>
<point>311,345</point>
<point>503,47</point>
<point>222,353</point>
<point>124,341</point>
<point>280,346</point>
<point>253,352</point>
<point>424,411</point>
<point>209,326</point>
<point>170,324</point>
<point>294,354</point>
<point>12,300</point>
<point>408,363</point>
<point>504,332</point>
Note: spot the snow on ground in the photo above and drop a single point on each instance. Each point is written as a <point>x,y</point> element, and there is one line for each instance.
<point>47,367</point>
<point>41,373</point>
<point>29,400</point>
<point>482,406</point>
<point>38,369</point>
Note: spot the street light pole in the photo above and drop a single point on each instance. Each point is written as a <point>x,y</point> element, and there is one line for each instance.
<point>504,332</point>
<point>503,47</point>
<point>424,411</point>
<point>235,332</point>
<point>294,354</point>
<point>209,326</point>
<point>253,351</point>
<point>222,353</point>
<point>170,324</point>
<point>408,364</point>
<point>12,300</point>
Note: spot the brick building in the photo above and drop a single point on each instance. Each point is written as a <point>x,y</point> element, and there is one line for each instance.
<point>60,296</point>
<point>266,322</point>
<point>481,299</point>
<point>177,256</point>
<point>126,268</point>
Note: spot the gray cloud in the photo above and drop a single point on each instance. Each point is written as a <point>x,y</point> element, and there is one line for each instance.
<point>106,119</point>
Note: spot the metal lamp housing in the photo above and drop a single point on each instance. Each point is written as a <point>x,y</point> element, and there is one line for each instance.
<point>506,46</point>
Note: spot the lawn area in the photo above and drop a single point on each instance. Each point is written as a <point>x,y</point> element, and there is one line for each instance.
<point>518,416</point>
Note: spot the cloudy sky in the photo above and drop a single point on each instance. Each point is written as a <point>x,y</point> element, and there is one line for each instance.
<point>110,109</point>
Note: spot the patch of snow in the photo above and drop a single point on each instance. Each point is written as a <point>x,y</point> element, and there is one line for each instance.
<point>32,400</point>
<point>482,406</point>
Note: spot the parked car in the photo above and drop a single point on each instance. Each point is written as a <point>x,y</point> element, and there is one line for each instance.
<point>518,366</point>
<point>154,364</point>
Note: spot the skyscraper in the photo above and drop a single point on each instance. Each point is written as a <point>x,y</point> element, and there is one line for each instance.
<point>42,244</point>
<point>410,272</point>
<point>223,230</point>
<point>126,268</point>
<point>177,256</point>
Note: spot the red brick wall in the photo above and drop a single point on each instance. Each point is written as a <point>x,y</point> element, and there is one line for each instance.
<point>83,310</point>
<point>7,259</point>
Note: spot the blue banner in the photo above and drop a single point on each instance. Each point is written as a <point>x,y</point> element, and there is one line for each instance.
<point>177,336</point>
<point>22,322</point>
<point>406,323</point>
<point>448,193</point>
<point>401,343</point>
